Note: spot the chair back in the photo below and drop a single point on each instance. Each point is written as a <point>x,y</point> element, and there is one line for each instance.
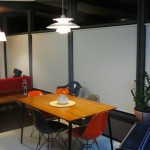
<point>35,93</point>
<point>40,122</point>
<point>74,88</point>
<point>17,72</point>
<point>96,126</point>
<point>94,97</point>
<point>83,92</point>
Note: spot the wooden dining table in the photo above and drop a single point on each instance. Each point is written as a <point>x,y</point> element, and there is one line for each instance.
<point>80,109</point>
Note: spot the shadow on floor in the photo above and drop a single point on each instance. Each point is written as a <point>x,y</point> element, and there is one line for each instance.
<point>10,116</point>
<point>121,123</point>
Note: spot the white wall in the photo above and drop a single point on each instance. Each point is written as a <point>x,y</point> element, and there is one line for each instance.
<point>2,69</point>
<point>17,54</point>
<point>105,63</point>
<point>50,60</point>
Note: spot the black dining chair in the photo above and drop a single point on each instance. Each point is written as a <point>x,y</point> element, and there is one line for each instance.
<point>73,87</point>
<point>46,115</point>
<point>52,128</point>
<point>17,72</point>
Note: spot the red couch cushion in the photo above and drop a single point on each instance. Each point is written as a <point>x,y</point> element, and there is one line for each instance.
<point>14,84</point>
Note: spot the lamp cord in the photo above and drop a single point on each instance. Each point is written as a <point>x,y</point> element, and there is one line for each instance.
<point>62,7</point>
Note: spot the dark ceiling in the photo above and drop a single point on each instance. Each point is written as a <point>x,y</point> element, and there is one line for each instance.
<point>13,14</point>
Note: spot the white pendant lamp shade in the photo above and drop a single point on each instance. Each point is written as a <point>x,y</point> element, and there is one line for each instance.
<point>63,24</point>
<point>2,36</point>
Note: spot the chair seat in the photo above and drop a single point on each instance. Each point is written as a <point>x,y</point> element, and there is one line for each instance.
<point>53,126</point>
<point>82,121</point>
<point>49,116</point>
<point>57,126</point>
<point>78,131</point>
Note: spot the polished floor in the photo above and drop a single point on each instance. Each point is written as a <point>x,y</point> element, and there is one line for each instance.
<point>10,120</point>
<point>10,140</point>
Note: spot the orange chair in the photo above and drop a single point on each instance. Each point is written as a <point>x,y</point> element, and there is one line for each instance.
<point>87,134</point>
<point>35,93</point>
<point>46,115</point>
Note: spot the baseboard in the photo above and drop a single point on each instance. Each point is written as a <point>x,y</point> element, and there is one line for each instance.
<point>123,116</point>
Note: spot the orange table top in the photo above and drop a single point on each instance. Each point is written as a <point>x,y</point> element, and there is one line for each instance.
<point>82,107</point>
<point>10,98</point>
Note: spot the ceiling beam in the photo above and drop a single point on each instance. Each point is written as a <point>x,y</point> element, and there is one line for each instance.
<point>87,8</point>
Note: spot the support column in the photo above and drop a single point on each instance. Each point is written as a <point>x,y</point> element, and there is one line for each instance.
<point>4,29</point>
<point>72,5</point>
<point>141,42</point>
<point>30,29</point>
<point>5,60</point>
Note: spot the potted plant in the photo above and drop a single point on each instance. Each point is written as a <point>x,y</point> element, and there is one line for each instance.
<point>142,101</point>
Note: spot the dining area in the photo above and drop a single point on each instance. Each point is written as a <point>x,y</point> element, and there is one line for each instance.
<point>67,111</point>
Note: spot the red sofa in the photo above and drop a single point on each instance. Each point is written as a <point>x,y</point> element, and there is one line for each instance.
<point>12,85</point>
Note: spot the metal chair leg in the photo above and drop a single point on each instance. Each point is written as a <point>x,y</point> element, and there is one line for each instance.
<point>48,143</point>
<point>87,144</point>
<point>33,130</point>
<point>97,144</point>
<point>40,136</point>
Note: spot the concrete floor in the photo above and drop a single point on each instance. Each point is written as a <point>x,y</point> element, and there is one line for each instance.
<point>11,141</point>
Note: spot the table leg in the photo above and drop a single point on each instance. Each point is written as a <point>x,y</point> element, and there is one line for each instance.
<point>110,132</point>
<point>70,135</point>
<point>22,121</point>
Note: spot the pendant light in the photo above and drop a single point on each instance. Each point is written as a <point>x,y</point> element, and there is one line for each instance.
<point>63,24</point>
<point>2,36</point>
